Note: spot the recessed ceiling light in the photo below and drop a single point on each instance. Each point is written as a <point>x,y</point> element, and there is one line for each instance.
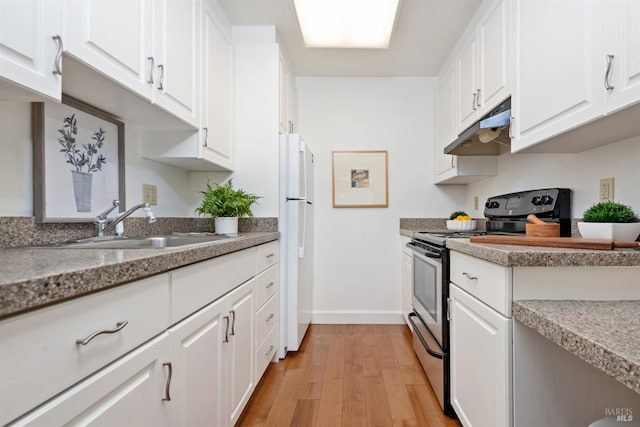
<point>346,23</point>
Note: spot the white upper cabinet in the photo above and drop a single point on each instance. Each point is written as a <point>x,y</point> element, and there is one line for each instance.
<point>560,71</point>
<point>292,104</point>
<point>117,44</point>
<point>575,96</point>
<point>30,56</point>
<point>622,48</point>
<point>484,64</point>
<point>152,49</point>
<point>445,128</point>
<point>176,53</point>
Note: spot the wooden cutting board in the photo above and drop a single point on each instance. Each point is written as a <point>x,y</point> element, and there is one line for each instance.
<point>554,242</point>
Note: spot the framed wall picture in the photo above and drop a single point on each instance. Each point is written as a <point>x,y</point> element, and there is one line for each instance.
<point>78,161</point>
<point>360,179</point>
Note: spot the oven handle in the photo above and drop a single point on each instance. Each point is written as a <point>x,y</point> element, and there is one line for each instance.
<point>423,251</point>
<point>433,353</point>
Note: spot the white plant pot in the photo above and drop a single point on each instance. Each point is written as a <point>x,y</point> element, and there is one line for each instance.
<point>226,225</point>
<point>610,230</point>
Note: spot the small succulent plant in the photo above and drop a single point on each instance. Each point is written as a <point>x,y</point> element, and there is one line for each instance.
<point>609,212</point>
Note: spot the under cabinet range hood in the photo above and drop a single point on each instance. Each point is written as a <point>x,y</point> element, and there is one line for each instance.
<point>489,136</point>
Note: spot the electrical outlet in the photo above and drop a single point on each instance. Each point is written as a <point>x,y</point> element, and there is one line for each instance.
<point>476,201</point>
<point>150,194</point>
<point>606,189</point>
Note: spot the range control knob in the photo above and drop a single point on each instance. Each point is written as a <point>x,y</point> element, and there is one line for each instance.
<point>536,200</point>
<point>487,205</point>
<point>547,200</point>
<point>494,205</point>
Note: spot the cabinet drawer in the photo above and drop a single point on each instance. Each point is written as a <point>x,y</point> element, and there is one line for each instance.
<point>44,357</point>
<point>268,255</point>
<point>490,283</point>
<point>195,286</point>
<point>266,352</point>
<point>266,317</point>
<point>267,285</point>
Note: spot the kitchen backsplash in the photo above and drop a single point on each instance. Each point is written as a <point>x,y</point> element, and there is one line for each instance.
<point>24,231</point>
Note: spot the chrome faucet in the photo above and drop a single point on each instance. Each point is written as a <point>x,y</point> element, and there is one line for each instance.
<point>101,220</point>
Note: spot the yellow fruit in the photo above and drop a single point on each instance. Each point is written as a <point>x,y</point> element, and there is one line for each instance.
<point>463,218</point>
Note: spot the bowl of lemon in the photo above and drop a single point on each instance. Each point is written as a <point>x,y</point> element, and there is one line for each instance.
<point>460,221</point>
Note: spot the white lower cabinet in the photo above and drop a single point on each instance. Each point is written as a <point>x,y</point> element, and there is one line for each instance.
<point>201,371</point>
<point>406,277</point>
<point>480,362</point>
<point>129,392</point>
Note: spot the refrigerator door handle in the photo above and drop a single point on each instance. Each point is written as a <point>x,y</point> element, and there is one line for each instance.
<point>304,231</point>
<point>304,168</point>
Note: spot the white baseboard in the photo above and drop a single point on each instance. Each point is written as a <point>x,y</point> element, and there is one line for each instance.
<point>357,317</point>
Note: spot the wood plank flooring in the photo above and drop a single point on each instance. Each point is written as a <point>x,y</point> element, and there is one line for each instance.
<point>347,375</point>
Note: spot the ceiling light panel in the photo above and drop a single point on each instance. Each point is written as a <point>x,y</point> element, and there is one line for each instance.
<point>346,23</point>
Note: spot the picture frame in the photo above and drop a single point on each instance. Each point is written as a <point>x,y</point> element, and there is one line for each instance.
<point>360,179</point>
<point>78,161</point>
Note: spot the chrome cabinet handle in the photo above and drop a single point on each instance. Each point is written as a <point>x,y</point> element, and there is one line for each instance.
<point>270,256</point>
<point>449,309</point>
<point>58,61</point>
<point>473,103</point>
<point>160,86</point>
<point>206,136</point>
<point>233,322</point>
<point>119,326</point>
<point>153,65</point>
<point>607,86</point>
<point>470,277</point>
<point>269,317</point>
<point>478,99</point>
<point>511,126</point>
<point>269,351</point>
<point>226,329</point>
<point>269,285</point>
<point>167,387</point>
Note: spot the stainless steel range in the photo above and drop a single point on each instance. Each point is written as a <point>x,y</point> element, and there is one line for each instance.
<point>506,214</point>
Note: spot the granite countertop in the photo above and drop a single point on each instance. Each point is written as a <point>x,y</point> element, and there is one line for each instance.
<point>605,334</point>
<point>536,256</point>
<point>34,277</point>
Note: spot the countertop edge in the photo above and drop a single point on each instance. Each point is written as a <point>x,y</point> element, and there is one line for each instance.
<point>27,294</point>
<point>592,352</point>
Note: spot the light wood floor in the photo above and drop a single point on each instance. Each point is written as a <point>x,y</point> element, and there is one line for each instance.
<point>347,375</point>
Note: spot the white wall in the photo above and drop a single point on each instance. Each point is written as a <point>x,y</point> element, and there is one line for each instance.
<point>357,251</point>
<point>16,194</point>
<point>580,172</point>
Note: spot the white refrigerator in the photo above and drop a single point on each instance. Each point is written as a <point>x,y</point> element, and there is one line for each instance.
<point>296,241</point>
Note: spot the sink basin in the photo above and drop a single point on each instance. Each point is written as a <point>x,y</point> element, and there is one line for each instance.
<point>159,242</point>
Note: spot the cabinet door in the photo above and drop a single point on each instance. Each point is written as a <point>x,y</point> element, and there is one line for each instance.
<point>467,86</point>
<point>622,40</point>
<point>177,41</point>
<point>115,43</point>
<point>560,70</point>
<point>282,101</point>
<point>129,392</point>
<point>27,48</point>
<point>292,105</point>
<point>240,350</point>
<point>406,273</point>
<point>445,125</point>
<point>480,362</point>
<point>217,54</point>
<point>198,367</point>
<point>494,56</point>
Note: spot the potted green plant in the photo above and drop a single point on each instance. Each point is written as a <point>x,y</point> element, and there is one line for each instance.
<point>225,205</point>
<point>609,220</point>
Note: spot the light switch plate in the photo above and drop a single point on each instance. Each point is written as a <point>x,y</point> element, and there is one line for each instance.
<point>150,194</point>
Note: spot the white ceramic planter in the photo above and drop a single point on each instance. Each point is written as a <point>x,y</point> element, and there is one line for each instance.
<point>609,230</point>
<point>226,225</point>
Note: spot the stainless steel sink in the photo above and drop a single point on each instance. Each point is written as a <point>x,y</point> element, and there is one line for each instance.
<point>159,242</point>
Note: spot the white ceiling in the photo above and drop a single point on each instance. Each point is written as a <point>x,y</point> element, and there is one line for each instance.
<point>424,34</point>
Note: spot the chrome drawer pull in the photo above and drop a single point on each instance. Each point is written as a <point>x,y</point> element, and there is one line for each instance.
<point>470,277</point>
<point>153,64</point>
<point>607,86</point>
<point>226,329</point>
<point>269,318</point>
<point>167,388</point>
<point>233,323</point>
<point>269,285</point>
<point>119,327</point>
<point>270,256</point>
<point>269,351</point>
<point>58,61</point>
<point>160,84</point>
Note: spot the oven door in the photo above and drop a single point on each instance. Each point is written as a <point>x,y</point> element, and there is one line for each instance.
<point>427,286</point>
